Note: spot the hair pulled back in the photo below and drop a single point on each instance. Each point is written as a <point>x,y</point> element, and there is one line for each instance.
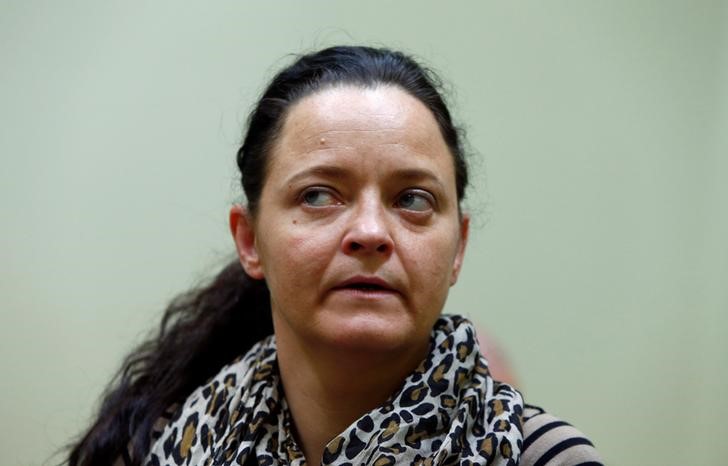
<point>207,327</point>
<point>338,66</point>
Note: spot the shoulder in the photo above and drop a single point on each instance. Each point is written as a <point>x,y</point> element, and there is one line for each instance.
<point>211,406</point>
<point>547,440</point>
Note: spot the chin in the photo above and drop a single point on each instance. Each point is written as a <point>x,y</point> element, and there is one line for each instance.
<point>372,333</point>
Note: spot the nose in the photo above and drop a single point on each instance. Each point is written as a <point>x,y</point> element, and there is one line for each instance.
<point>368,231</point>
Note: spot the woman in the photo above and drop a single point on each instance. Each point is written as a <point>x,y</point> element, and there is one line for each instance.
<point>351,237</point>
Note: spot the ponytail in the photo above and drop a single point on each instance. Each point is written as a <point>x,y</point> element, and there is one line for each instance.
<point>202,330</point>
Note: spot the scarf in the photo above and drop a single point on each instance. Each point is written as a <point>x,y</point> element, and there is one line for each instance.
<point>448,411</point>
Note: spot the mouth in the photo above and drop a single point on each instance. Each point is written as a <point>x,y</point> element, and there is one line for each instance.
<point>366,286</point>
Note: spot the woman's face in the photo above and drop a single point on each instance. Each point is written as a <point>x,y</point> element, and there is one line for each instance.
<point>358,232</point>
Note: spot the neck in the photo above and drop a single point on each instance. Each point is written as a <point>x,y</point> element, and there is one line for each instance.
<point>327,389</point>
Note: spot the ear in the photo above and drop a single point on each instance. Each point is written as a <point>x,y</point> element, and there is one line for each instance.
<point>460,254</point>
<point>243,231</point>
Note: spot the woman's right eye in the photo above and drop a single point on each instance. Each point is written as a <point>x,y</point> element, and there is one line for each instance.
<point>318,197</point>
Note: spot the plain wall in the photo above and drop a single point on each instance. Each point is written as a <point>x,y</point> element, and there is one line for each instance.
<point>598,132</point>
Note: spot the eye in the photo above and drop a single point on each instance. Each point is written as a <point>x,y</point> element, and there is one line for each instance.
<point>318,197</point>
<point>415,200</point>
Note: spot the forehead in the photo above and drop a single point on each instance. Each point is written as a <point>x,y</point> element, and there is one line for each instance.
<point>361,119</point>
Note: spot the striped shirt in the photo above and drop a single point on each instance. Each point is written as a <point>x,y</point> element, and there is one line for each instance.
<point>549,441</point>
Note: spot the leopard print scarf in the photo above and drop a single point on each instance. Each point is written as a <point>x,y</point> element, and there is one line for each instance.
<point>449,411</point>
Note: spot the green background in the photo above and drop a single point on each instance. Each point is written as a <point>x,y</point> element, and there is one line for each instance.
<point>600,149</point>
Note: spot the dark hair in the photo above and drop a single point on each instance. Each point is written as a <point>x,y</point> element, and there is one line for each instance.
<point>205,328</point>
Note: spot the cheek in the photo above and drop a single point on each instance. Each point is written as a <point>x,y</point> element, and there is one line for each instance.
<point>430,262</point>
<point>295,256</point>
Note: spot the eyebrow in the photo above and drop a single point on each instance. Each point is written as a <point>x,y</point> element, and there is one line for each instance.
<point>415,174</point>
<point>324,171</point>
<point>332,171</point>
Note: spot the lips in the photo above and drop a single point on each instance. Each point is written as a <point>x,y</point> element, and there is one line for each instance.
<point>366,285</point>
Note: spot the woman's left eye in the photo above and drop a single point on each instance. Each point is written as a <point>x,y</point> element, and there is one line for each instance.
<point>415,200</point>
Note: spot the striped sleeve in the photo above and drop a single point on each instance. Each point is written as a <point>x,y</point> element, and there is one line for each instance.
<point>549,441</point>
